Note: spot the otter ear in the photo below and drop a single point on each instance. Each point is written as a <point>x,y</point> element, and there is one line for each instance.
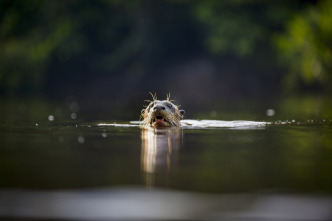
<point>182,112</point>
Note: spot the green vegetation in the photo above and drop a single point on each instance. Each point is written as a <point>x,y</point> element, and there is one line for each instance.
<point>47,45</point>
<point>306,46</point>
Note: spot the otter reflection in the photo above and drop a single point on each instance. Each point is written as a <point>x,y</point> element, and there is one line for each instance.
<point>159,150</point>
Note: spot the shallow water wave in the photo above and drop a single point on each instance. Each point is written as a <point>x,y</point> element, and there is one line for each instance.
<point>118,125</point>
<point>201,124</point>
<point>192,124</point>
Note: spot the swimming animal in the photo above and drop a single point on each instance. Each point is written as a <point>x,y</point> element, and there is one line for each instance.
<point>161,113</point>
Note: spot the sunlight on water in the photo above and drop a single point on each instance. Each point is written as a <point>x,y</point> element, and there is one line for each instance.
<point>201,124</point>
<point>237,124</point>
<point>192,124</point>
<point>118,125</point>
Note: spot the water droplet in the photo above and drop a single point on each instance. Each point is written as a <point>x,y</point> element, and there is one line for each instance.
<point>213,113</point>
<point>51,118</point>
<point>73,116</point>
<point>270,112</point>
<point>80,139</point>
<point>104,134</point>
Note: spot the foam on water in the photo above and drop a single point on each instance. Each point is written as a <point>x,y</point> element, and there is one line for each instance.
<point>201,124</point>
<point>118,125</point>
<point>192,124</point>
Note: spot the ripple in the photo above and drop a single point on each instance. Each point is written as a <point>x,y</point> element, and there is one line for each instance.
<point>202,124</point>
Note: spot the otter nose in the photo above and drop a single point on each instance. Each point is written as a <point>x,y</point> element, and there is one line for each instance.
<point>158,108</point>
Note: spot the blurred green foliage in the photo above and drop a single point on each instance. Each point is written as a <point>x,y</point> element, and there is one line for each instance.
<point>306,47</point>
<point>48,46</point>
<point>37,36</point>
<point>241,27</point>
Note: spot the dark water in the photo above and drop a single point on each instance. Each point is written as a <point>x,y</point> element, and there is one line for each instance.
<point>45,163</point>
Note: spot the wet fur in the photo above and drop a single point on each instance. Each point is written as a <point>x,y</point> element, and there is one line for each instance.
<point>170,113</point>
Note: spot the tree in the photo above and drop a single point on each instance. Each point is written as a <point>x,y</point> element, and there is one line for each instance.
<point>306,47</point>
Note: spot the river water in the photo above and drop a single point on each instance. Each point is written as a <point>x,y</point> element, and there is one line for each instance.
<point>72,169</point>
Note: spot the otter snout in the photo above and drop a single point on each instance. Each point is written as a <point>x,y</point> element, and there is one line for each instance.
<point>159,108</point>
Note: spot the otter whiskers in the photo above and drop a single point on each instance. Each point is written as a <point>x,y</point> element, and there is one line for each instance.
<point>161,113</point>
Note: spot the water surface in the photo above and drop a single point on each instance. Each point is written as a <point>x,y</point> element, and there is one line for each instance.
<point>229,169</point>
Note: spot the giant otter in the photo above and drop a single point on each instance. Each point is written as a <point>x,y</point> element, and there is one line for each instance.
<point>161,114</point>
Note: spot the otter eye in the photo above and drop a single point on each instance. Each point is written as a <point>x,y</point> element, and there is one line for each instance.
<point>170,106</point>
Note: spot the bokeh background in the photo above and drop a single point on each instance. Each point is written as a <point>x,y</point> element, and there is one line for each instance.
<point>67,65</point>
<point>104,56</point>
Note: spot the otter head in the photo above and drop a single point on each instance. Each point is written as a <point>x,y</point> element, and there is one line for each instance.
<point>161,114</point>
